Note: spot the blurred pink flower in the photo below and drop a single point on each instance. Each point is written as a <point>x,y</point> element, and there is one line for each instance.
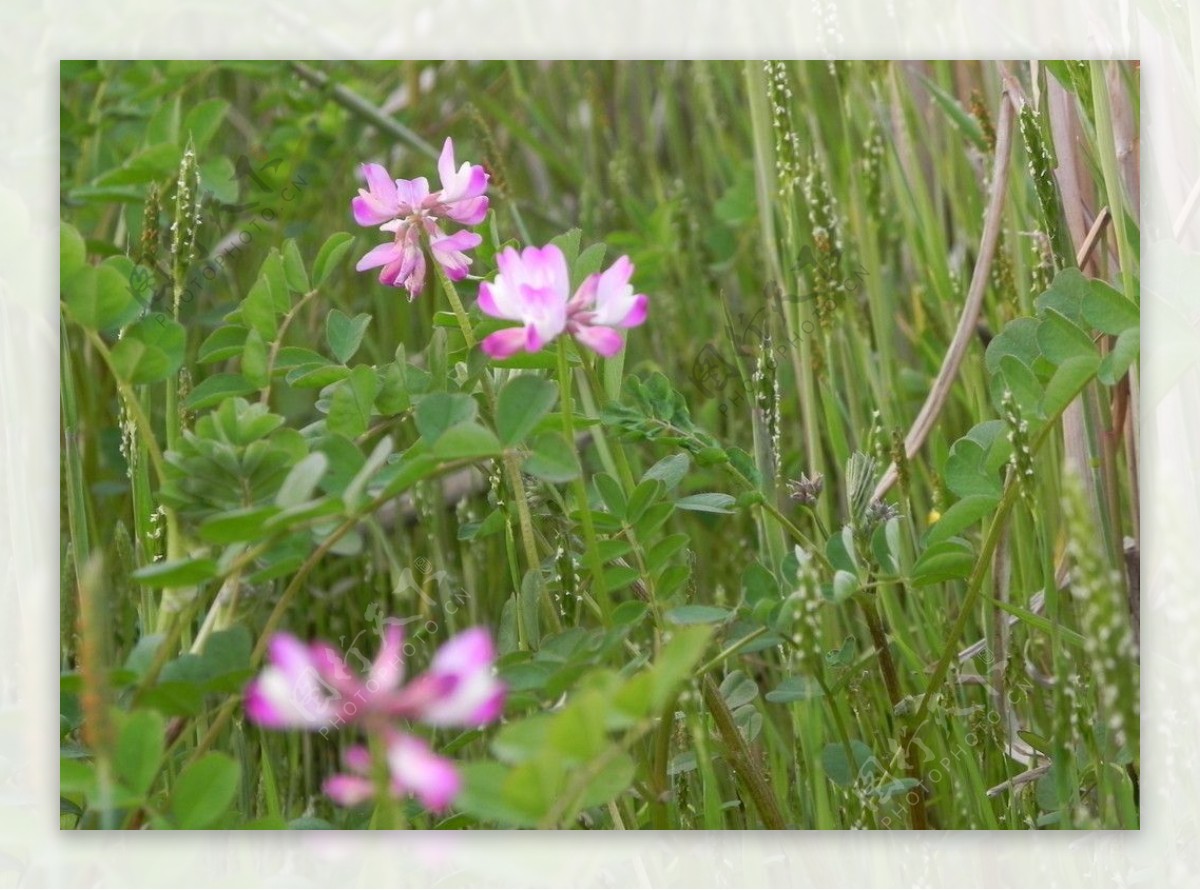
<point>311,687</point>
<point>533,288</point>
<point>410,212</point>
<point>413,769</point>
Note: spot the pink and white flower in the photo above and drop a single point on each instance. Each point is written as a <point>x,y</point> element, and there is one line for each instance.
<point>311,687</point>
<point>460,688</point>
<point>410,212</point>
<point>533,288</point>
<point>413,769</point>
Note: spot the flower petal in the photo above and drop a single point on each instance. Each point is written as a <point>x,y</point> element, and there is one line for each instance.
<point>615,302</point>
<point>348,791</point>
<point>545,309</point>
<point>599,338</point>
<point>468,211</point>
<point>358,759</point>
<point>448,251</point>
<point>279,700</point>
<point>381,255</point>
<point>637,314</point>
<point>388,668</point>
<point>417,770</point>
<point>446,162</point>
<point>463,688</point>
<point>378,202</point>
<point>504,343</point>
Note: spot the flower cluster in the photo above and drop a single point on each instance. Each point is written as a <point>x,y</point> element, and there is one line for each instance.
<point>532,287</point>
<point>411,213</point>
<point>310,687</point>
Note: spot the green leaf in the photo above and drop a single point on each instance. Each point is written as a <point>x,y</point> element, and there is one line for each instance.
<point>254,360</point>
<point>237,525</point>
<point>1017,339</point>
<point>738,689</point>
<point>203,121</point>
<point>176,573</point>
<point>837,766</point>
<point>523,401</point>
<point>1072,375</point>
<point>218,176</point>
<point>330,254</point>
<point>709,502</point>
<point>697,614</point>
<point>223,343</point>
<point>676,661</point>
<point>258,309</point>
<point>568,243</point>
<point>611,780</point>
<point>962,515</point>
<point>1124,353</point>
<point>439,411</point>
<point>150,350</point>
<point>845,585</point>
<point>345,334</point>
<point>670,470</point>
<point>139,750</point>
<point>72,252</point>
<point>1016,377</point>
<point>100,298</point>
<point>611,493</point>
<point>302,480</point>
<point>216,389</point>
<point>795,689</point>
<point>205,790</point>
<point>228,651</point>
<point>315,375</point>
<point>589,262</point>
<point>1066,296</point>
<point>1061,339</point>
<point>272,270</point>
<point>945,561</point>
<point>350,405</point>
<point>646,493</point>
<point>1107,310</point>
<point>964,122</point>
<point>465,441</point>
<point>147,165</point>
<point>974,462</point>
<point>293,267</point>
<point>290,357</point>
<point>552,459</point>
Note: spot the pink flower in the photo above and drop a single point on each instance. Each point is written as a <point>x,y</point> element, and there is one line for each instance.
<point>311,687</point>
<point>533,288</point>
<point>460,688</point>
<point>409,211</point>
<point>413,769</point>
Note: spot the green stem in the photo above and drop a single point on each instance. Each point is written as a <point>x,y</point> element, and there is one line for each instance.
<point>77,516</point>
<point>512,469</point>
<point>389,814</point>
<point>745,766</point>
<point>596,564</point>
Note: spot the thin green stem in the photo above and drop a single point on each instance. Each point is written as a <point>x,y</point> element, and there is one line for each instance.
<point>595,563</point>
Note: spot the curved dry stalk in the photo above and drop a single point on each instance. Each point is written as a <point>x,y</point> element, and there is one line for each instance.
<point>970,314</point>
